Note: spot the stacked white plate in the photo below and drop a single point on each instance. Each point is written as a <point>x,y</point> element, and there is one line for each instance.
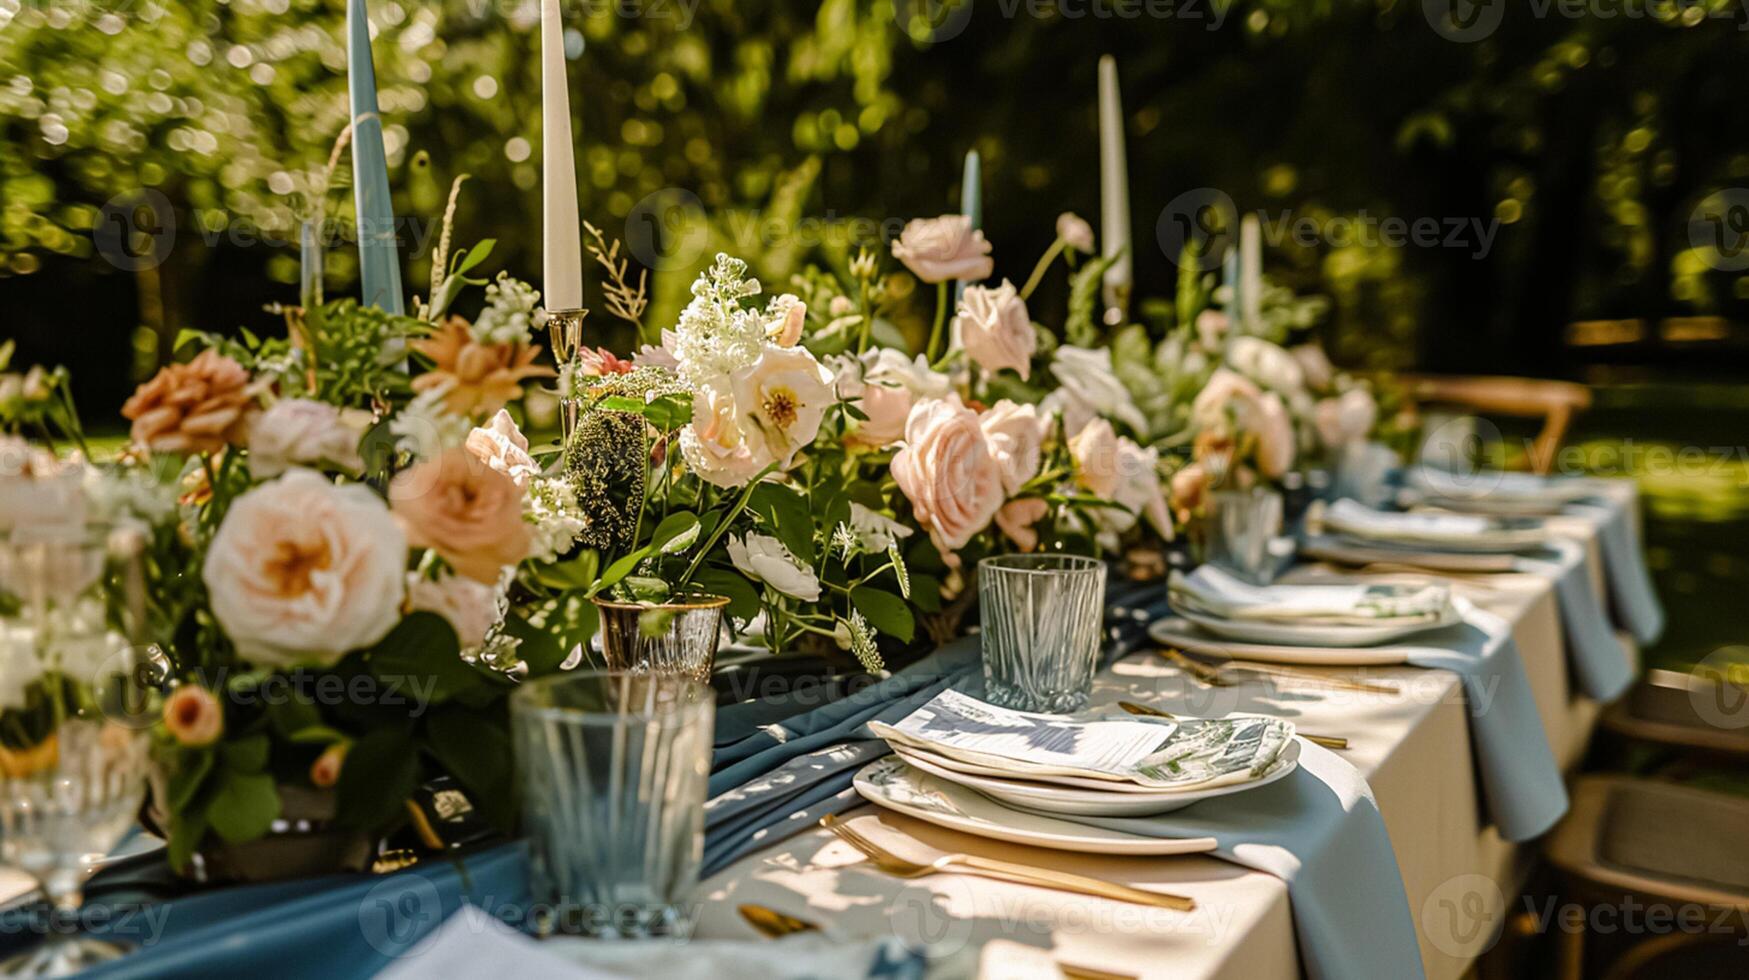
<point>1433,530</point>
<point>1309,615</point>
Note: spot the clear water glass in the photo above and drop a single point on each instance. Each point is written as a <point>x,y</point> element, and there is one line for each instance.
<point>612,768</point>
<point>74,723</point>
<point>671,638</point>
<point>1043,617</point>
<point>1241,526</point>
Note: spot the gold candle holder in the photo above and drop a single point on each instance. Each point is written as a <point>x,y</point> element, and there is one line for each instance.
<point>565,327</point>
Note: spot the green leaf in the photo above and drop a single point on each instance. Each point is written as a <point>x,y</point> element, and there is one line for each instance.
<point>926,593</point>
<point>192,766</point>
<point>743,596</point>
<point>185,335</point>
<point>475,256</point>
<point>643,588</point>
<point>669,412</point>
<point>244,806</point>
<point>675,534</point>
<point>475,749</point>
<point>380,773</point>
<point>422,651</point>
<point>245,755</point>
<point>621,568</point>
<point>574,574</point>
<point>186,831</point>
<point>886,611</point>
<point>316,735</point>
<point>900,572</point>
<point>1081,327</point>
<point>786,515</point>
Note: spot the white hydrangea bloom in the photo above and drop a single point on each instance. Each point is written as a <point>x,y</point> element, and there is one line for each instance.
<point>715,335</point>
<point>549,507</point>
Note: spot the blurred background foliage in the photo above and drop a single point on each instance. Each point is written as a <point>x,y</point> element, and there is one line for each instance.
<point>1593,133</point>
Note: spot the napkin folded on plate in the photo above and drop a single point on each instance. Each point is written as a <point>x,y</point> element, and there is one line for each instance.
<point>1210,590</point>
<point>473,944</point>
<point>1353,517</point>
<point>1499,485</point>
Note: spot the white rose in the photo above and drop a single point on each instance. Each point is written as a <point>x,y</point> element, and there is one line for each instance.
<point>471,607</point>
<point>1315,365</point>
<point>302,570</point>
<point>944,248</point>
<point>1089,387</point>
<point>1266,363</point>
<point>1139,489</point>
<point>1015,434</point>
<point>764,559</point>
<point>1094,452</point>
<point>996,330</point>
<point>780,400</point>
<point>713,443</point>
<point>1224,388</point>
<point>875,530</point>
<point>502,446</point>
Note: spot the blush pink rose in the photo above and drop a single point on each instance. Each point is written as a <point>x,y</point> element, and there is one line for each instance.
<point>1274,430</point>
<point>1016,519</point>
<point>884,384</point>
<point>1345,419</point>
<point>1015,435</point>
<point>464,510</point>
<point>996,329</point>
<point>943,249</point>
<point>948,474</point>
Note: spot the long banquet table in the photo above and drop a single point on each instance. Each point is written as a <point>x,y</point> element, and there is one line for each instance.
<point>1413,748</point>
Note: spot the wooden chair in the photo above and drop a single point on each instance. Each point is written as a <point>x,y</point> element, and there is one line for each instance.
<point>1555,402</point>
<point>1665,708</point>
<point>1650,843</point>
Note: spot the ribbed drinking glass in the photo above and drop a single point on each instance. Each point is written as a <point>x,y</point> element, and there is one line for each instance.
<point>1042,621</point>
<point>612,768</point>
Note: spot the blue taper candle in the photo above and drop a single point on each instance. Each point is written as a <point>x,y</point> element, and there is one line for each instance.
<point>971,205</point>
<point>379,261</point>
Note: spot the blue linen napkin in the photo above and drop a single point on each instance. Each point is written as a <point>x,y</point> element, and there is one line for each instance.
<point>1320,831</point>
<point>1631,594</point>
<point>1602,667</point>
<point>1521,782</point>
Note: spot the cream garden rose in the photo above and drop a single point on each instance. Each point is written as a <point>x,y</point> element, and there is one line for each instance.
<point>713,443</point>
<point>303,571</point>
<point>996,330</point>
<point>780,400</point>
<point>1015,436</point>
<point>943,249</point>
<point>947,472</point>
<point>1094,451</point>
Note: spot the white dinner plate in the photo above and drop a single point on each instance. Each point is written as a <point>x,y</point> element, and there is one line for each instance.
<point>1319,634</point>
<point>1512,537</point>
<point>1187,636</point>
<point>1053,798</point>
<point>895,784</point>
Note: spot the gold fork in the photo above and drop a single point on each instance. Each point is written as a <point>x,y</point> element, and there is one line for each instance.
<point>1213,675</point>
<point>1022,874</point>
<point>1327,741</point>
<point>773,924</point>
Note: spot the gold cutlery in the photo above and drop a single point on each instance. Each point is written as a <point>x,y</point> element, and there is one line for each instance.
<point>1022,874</point>
<point>1212,674</point>
<point>773,924</point>
<point>1327,741</point>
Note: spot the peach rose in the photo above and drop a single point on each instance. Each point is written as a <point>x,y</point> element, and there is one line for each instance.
<point>464,510</point>
<point>193,716</point>
<point>1274,430</point>
<point>475,378</point>
<point>1016,519</point>
<point>303,570</point>
<point>502,446</point>
<point>1190,487</point>
<point>948,474</point>
<point>1015,434</point>
<point>198,407</point>
<point>325,771</point>
<point>943,249</point>
<point>996,329</point>
<point>1094,451</point>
